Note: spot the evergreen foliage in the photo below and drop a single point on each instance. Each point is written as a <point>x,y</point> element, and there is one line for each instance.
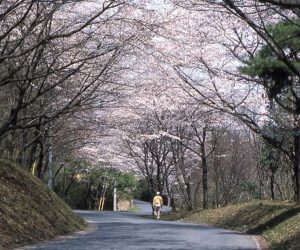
<point>276,75</point>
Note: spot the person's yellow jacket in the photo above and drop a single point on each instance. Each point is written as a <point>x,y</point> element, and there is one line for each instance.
<point>157,201</point>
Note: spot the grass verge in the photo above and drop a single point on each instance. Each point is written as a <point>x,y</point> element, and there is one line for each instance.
<point>277,222</point>
<point>134,209</point>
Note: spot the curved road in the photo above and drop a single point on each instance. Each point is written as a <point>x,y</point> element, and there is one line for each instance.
<point>117,230</point>
<point>145,207</point>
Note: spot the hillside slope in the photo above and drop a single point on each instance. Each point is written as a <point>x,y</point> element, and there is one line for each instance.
<point>29,211</point>
<point>278,222</point>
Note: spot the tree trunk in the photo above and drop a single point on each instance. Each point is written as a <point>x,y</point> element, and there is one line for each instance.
<point>285,3</point>
<point>172,204</point>
<point>217,193</point>
<point>189,196</point>
<point>32,155</point>
<point>204,169</point>
<point>34,147</point>
<point>50,168</point>
<point>159,179</point>
<point>39,169</point>
<point>204,178</point>
<point>296,164</point>
<point>272,186</point>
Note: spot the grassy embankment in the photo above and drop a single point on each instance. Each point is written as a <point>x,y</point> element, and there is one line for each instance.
<point>134,209</point>
<point>277,222</point>
<point>29,212</point>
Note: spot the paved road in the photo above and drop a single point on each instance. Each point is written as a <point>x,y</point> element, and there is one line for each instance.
<point>145,207</point>
<point>109,230</point>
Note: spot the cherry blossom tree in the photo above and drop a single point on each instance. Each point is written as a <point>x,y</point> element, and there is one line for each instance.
<point>61,63</point>
<point>238,30</point>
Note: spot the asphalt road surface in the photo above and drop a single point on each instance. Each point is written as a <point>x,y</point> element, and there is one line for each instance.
<point>145,207</point>
<point>121,230</point>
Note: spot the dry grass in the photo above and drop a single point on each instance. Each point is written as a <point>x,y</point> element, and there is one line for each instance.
<point>277,222</point>
<point>29,211</point>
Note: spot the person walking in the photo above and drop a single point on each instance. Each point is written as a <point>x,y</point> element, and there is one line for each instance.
<point>157,205</point>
